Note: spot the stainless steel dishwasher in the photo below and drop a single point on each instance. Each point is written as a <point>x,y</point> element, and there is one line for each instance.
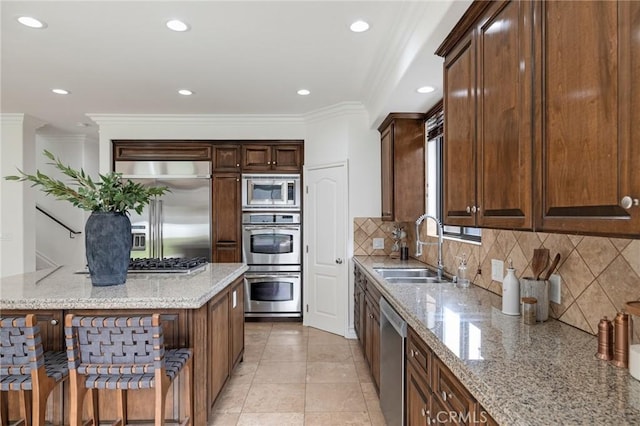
<point>393,335</point>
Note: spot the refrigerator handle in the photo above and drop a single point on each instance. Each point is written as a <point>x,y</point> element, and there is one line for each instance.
<point>160,222</point>
<point>152,228</point>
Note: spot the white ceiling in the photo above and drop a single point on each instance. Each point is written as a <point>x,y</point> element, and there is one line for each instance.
<point>239,57</point>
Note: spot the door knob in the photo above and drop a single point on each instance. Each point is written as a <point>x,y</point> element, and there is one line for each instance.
<point>627,202</point>
<point>339,261</point>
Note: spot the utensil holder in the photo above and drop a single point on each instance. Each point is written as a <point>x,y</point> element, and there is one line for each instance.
<point>530,287</point>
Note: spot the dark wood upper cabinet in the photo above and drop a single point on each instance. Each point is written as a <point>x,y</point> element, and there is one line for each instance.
<point>459,156</point>
<point>226,158</point>
<point>542,111</point>
<point>589,98</point>
<point>272,157</point>
<point>128,150</point>
<point>402,138</point>
<point>488,135</point>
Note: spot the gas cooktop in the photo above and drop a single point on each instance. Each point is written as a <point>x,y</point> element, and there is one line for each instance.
<point>170,265</point>
<point>167,265</point>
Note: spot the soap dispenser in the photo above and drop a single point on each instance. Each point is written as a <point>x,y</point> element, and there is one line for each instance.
<point>462,279</point>
<point>511,292</point>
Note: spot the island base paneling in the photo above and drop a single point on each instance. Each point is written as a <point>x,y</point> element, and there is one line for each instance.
<point>211,331</point>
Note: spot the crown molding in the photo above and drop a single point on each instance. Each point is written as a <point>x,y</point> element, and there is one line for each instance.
<point>195,119</point>
<point>337,110</point>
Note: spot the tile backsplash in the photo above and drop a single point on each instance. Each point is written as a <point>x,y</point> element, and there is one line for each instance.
<point>599,274</point>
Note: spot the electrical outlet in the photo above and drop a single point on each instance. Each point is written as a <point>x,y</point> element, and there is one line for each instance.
<point>378,243</point>
<point>555,289</point>
<point>497,270</point>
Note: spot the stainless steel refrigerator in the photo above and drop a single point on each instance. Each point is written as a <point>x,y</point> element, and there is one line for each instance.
<point>178,224</point>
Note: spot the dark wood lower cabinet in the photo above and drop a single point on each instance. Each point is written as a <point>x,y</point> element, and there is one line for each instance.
<point>367,310</point>
<point>215,331</point>
<point>434,396</point>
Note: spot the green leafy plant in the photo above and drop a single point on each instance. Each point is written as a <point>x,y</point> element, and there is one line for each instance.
<point>110,194</point>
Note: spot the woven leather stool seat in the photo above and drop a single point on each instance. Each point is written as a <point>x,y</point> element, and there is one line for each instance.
<point>24,366</point>
<point>122,353</point>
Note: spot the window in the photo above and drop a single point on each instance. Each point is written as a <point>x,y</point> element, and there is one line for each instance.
<point>434,178</point>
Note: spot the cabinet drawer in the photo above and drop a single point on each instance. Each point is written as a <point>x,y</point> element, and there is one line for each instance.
<point>419,356</point>
<point>451,393</point>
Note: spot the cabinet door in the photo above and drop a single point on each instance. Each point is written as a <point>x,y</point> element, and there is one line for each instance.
<point>218,321</point>
<point>161,150</point>
<point>504,117</point>
<point>236,300</point>
<point>226,158</point>
<point>459,185</point>
<point>287,158</point>
<point>226,217</point>
<point>418,396</point>
<point>386,144</point>
<point>589,112</point>
<point>256,158</point>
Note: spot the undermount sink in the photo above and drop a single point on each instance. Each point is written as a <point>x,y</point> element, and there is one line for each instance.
<point>414,280</point>
<point>409,275</point>
<point>405,272</point>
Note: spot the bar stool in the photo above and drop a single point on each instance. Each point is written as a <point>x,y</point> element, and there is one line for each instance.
<point>26,368</point>
<point>123,353</point>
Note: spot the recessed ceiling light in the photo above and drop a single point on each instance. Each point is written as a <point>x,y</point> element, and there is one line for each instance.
<point>177,25</point>
<point>359,26</point>
<point>60,91</point>
<point>185,92</point>
<point>303,92</point>
<point>425,89</point>
<point>31,22</point>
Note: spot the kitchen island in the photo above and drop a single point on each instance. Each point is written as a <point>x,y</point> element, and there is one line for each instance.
<point>203,310</point>
<point>519,374</point>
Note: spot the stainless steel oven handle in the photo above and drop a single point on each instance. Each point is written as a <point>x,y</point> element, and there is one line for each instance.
<point>271,227</point>
<point>250,277</point>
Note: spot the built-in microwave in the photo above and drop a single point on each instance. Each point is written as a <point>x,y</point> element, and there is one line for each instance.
<point>261,191</point>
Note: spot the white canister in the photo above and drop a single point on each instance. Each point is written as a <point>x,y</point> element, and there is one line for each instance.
<point>511,293</point>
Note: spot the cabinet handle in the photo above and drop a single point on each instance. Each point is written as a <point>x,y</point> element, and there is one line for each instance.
<point>238,165</point>
<point>274,163</point>
<point>445,395</point>
<point>473,209</point>
<point>468,209</point>
<point>627,202</point>
<point>424,412</point>
<point>413,353</point>
<point>54,322</point>
<point>268,162</point>
<point>237,179</point>
<point>339,261</point>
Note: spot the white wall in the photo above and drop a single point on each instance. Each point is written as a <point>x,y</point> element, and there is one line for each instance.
<point>52,240</point>
<point>17,211</point>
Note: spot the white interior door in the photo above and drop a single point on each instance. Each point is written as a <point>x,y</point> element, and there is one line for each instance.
<point>326,283</point>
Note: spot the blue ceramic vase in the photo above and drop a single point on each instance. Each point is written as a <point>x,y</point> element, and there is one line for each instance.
<point>108,247</point>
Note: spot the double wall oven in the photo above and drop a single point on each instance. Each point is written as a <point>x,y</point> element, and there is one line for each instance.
<point>271,247</point>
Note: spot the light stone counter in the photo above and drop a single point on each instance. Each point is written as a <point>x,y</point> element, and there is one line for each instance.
<point>544,374</point>
<point>62,288</point>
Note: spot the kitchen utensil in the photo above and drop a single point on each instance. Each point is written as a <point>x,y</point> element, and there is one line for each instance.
<point>539,261</point>
<point>553,266</point>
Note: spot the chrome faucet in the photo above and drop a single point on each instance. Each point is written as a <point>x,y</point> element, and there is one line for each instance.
<point>419,243</point>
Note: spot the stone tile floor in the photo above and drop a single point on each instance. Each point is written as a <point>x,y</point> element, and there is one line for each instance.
<point>295,375</point>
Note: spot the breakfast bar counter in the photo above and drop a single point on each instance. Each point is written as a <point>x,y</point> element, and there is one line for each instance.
<point>520,374</point>
<point>203,310</point>
<point>64,288</point>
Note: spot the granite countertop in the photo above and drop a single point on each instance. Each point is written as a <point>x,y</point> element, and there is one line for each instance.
<point>521,374</point>
<point>62,288</point>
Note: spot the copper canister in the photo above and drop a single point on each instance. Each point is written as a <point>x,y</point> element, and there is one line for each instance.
<point>605,340</point>
<point>621,347</point>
